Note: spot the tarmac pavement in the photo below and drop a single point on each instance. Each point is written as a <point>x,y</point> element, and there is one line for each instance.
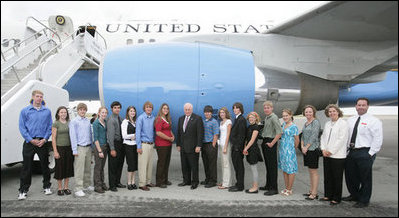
<point>182,201</point>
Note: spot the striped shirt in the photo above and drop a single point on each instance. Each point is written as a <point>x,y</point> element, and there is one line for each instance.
<point>211,128</point>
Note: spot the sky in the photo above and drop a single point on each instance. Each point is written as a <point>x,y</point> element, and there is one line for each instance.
<point>101,11</point>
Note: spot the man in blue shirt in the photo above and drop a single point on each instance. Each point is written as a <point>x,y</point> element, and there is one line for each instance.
<point>209,148</point>
<point>35,127</point>
<point>145,145</point>
<point>81,140</point>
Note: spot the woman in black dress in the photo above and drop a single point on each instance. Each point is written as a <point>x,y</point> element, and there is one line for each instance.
<point>251,150</point>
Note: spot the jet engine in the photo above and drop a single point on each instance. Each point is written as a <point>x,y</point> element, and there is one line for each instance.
<point>203,74</point>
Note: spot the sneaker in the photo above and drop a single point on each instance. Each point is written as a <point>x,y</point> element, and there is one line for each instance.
<point>80,193</point>
<point>90,188</point>
<point>47,191</point>
<point>22,196</point>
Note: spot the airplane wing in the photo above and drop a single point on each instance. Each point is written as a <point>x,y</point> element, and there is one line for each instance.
<point>340,41</point>
<point>346,21</point>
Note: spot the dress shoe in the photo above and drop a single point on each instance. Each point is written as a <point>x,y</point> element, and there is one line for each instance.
<point>168,183</point>
<point>99,190</point>
<point>60,192</point>
<point>120,185</point>
<point>105,188</point>
<point>183,184</point>
<point>144,188</point>
<point>203,182</point>
<point>162,186</point>
<point>263,188</point>
<point>253,192</point>
<point>271,192</point>
<point>210,185</point>
<point>360,205</point>
<point>150,185</point>
<point>235,189</point>
<point>194,186</point>
<point>113,189</point>
<point>324,199</point>
<point>67,191</point>
<point>349,198</point>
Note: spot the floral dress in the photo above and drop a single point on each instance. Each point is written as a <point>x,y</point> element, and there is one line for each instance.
<point>287,157</point>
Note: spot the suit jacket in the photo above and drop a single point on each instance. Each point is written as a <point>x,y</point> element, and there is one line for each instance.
<point>238,132</point>
<point>193,135</point>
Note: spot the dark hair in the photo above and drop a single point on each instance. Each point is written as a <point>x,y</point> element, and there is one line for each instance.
<point>311,107</point>
<point>289,112</point>
<point>58,110</point>
<point>127,113</point>
<point>240,106</point>
<point>340,114</point>
<point>116,103</point>
<point>208,108</point>
<point>363,98</point>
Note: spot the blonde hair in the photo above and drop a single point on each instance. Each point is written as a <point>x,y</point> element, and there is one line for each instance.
<point>225,111</point>
<point>148,103</point>
<point>256,115</point>
<point>268,103</point>
<point>99,109</point>
<point>81,105</point>
<point>37,92</point>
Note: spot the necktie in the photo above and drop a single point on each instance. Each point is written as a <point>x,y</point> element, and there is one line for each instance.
<point>120,122</point>
<point>185,124</point>
<point>354,133</point>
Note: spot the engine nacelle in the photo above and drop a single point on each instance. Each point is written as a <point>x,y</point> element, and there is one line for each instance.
<point>204,74</point>
<point>176,73</point>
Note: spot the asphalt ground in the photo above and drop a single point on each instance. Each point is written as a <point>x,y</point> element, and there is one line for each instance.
<point>182,201</point>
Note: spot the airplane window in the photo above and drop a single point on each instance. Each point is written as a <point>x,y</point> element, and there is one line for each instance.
<point>152,40</point>
<point>129,41</point>
<point>141,40</point>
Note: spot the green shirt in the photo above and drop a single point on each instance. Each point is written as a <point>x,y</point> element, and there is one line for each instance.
<point>272,126</point>
<point>62,138</point>
<point>100,132</point>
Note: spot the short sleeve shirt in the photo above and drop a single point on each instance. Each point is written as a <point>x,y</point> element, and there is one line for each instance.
<point>62,137</point>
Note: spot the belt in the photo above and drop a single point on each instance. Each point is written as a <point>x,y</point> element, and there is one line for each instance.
<point>84,145</point>
<point>150,143</point>
<point>358,149</point>
<point>40,138</point>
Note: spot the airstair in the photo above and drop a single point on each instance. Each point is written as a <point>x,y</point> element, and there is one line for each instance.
<point>45,60</point>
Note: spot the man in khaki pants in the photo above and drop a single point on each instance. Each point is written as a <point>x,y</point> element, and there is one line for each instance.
<point>145,145</point>
<point>81,139</point>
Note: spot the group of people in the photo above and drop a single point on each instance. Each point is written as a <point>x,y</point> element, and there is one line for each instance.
<point>349,146</point>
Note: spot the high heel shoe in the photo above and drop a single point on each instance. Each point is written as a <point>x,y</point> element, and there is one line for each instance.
<point>307,194</point>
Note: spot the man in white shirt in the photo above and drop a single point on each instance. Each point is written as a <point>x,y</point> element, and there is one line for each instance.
<point>365,132</point>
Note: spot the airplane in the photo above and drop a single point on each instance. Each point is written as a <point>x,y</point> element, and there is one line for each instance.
<point>303,61</point>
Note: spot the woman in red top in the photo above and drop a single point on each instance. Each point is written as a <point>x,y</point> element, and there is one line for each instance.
<point>163,142</point>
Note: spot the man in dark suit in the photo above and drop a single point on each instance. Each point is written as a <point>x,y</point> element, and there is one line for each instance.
<point>190,133</point>
<point>237,140</point>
